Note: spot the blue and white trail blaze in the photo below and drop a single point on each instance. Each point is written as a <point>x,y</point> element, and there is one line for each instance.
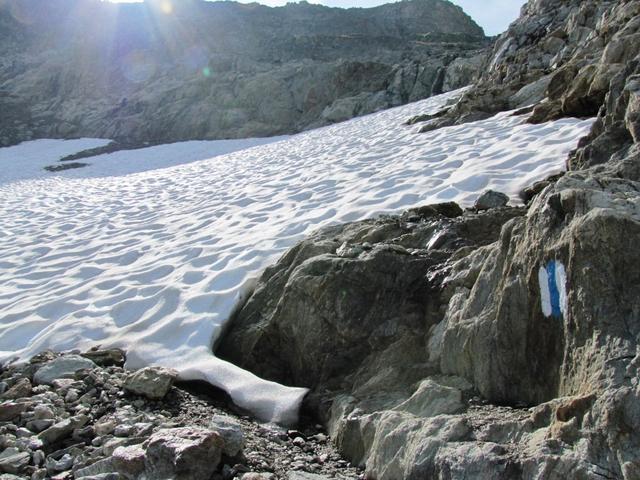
<point>553,289</point>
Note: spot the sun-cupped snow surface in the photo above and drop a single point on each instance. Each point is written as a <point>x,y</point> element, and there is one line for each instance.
<point>155,262</point>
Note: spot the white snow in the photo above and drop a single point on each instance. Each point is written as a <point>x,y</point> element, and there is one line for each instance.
<point>27,160</point>
<point>155,262</point>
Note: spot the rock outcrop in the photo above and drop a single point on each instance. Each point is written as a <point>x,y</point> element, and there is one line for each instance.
<point>163,71</point>
<point>558,56</point>
<point>501,344</point>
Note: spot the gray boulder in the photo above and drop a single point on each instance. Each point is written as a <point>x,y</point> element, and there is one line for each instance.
<point>62,367</point>
<point>231,432</point>
<point>182,453</point>
<point>151,382</point>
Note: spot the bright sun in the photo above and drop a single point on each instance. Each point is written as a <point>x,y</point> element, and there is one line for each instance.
<point>166,6</point>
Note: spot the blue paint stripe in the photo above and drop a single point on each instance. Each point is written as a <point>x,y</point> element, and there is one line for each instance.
<point>553,290</point>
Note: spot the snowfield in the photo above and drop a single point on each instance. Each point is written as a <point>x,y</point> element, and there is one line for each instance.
<point>151,250</point>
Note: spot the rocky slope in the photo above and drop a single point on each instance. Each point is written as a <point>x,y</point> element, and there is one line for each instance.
<point>82,416</point>
<point>501,344</point>
<point>164,71</point>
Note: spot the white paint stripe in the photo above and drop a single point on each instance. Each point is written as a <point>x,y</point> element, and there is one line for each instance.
<point>545,294</point>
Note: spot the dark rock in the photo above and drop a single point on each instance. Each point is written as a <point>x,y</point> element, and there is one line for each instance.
<point>106,358</point>
<point>448,209</point>
<point>65,166</point>
<point>491,199</point>
<point>534,190</point>
<point>10,410</point>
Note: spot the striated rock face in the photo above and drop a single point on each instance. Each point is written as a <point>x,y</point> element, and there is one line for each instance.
<point>169,71</point>
<point>503,344</point>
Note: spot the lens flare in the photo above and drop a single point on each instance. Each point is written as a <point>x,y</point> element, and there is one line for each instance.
<point>166,7</point>
<point>138,66</point>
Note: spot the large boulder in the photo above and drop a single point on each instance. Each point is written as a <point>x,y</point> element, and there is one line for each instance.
<point>349,309</point>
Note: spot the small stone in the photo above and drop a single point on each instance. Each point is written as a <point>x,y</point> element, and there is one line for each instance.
<point>39,474</point>
<point>491,199</point>
<point>38,458</point>
<point>150,382</point>
<point>123,430</point>
<point>231,432</point>
<point>130,461</point>
<point>23,432</point>
<point>21,389</point>
<point>97,442</point>
<point>38,426</point>
<point>299,442</point>
<point>62,465</point>
<point>13,460</point>
<point>101,467</point>
<point>62,429</point>
<point>42,412</point>
<point>105,428</point>
<point>320,438</point>
<point>72,396</point>
<point>10,410</point>
<point>258,476</point>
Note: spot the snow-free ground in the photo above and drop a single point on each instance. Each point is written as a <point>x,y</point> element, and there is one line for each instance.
<point>155,261</point>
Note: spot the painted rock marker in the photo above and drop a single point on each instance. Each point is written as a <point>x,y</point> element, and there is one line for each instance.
<point>553,289</point>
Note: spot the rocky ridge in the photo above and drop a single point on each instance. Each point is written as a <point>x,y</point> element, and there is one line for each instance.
<point>81,416</point>
<point>498,344</point>
<point>158,72</point>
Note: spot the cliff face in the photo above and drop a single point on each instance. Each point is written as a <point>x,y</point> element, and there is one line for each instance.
<point>164,71</point>
<point>508,348</point>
